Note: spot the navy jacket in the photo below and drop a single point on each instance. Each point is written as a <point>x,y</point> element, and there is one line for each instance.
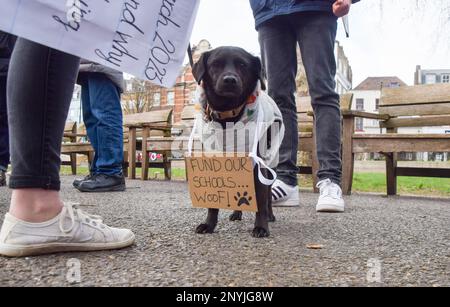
<point>264,10</point>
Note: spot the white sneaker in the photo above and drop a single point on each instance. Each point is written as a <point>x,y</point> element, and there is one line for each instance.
<point>284,195</point>
<point>72,230</point>
<point>330,199</point>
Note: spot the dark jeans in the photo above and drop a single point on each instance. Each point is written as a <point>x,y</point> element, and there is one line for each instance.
<point>4,135</point>
<point>315,33</point>
<point>40,88</point>
<point>102,115</point>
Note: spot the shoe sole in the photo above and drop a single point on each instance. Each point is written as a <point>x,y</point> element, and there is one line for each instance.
<point>118,188</point>
<point>53,248</point>
<point>287,203</point>
<point>330,209</point>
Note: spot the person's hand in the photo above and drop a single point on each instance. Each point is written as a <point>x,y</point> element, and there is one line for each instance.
<point>341,7</point>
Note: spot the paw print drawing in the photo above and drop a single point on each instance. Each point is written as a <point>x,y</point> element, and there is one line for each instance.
<point>243,199</point>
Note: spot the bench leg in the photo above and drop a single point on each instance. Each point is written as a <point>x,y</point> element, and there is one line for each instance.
<point>167,166</point>
<point>90,157</point>
<point>132,153</point>
<point>73,163</point>
<point>391,173</point>
<point>125,164</point>
<point>145,157</point>
<point>348,157</point>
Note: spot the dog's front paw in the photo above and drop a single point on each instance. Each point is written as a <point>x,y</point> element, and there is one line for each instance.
<point>271,218</point>
<point>236,216</point>
<point>205,228</point>
<point>259,232</point>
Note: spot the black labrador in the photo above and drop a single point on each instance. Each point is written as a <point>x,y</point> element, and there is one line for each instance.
<point>229,76</point>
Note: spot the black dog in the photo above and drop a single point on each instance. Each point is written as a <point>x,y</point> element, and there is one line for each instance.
<point>229,76</point>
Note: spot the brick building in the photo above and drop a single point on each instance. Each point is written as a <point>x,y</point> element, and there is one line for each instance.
<point>155,97</point>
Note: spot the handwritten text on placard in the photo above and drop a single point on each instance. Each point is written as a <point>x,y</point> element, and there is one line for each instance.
<point>145,38</point>
<point>222,182</point>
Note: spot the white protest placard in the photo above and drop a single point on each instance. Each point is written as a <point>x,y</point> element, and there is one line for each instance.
<point>146,38</point>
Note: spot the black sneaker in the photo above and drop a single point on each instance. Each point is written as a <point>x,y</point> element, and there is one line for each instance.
<point>2,178</point>
<point>77,182</point>
<point>103,183</point>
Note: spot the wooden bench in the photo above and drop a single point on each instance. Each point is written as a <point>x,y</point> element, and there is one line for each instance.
<point>409,106</point>
<point>306,130</point>
<point>72,146</point>
<point>142,129</point>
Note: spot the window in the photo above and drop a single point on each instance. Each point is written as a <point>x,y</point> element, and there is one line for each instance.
<point>156,99</point>
<point>445,78</point>
<point>394,84</point>
<point>171,98</point>
<point>359,123</point>
<point>360,104</point>
<point>377,104</point>
<point>430,78</point>
<point>129,86</point>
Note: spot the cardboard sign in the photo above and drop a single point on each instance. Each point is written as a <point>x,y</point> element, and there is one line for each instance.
<point>148,39</point>
<point>221,182</point>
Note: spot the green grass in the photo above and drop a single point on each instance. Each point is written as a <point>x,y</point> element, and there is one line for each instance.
<point>362,182</point>
<point>376,182</point>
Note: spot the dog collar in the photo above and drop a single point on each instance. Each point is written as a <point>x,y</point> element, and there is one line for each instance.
<point>210,114</point>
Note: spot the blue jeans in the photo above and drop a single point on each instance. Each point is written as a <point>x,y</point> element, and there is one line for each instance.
<point>102,115</point>
<point>4,135</point>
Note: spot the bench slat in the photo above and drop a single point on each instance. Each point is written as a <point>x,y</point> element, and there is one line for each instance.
<point>424,121</point>
<point>160,116</point>
<point>417,109</point>
<point>418,94</point>
<point>400,143</point>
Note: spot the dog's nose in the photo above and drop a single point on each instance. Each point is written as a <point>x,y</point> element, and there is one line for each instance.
<point>230,80</point>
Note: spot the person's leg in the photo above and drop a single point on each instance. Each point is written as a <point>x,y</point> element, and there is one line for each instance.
<point>89,119</point>
<point>316,34</point>
<point>279,55</point>
<point>107,110</point>
<point>4,134</point>
<point>40,86</point>
<point>278,49</point>
<point>316,37</point>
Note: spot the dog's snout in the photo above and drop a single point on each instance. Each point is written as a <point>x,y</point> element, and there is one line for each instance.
<point>230,80</point>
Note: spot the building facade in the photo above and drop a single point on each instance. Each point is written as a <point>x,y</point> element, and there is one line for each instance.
<point>366,97</point>
<point>75,112</point>
<point>158,97</point>
<point>431,76</point>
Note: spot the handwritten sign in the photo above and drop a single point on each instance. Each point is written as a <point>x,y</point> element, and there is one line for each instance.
<point>222,182</point>
<point>145,38</point>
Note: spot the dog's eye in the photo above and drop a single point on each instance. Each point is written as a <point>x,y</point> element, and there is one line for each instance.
<point>242,64</point>
<point>216,64</point>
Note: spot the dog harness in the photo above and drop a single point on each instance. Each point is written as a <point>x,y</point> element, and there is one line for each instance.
<point>248,135</point>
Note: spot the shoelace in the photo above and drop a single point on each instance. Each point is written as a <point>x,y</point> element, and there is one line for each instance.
<point>329,189</point>
<point>72,210</point>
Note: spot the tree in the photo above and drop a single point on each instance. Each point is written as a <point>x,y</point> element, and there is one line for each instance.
<point>420,10</point>
<point>137,99</point>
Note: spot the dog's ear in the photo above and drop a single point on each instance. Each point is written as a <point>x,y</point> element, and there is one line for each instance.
<point>260,71</point>
<point>199,69</point>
